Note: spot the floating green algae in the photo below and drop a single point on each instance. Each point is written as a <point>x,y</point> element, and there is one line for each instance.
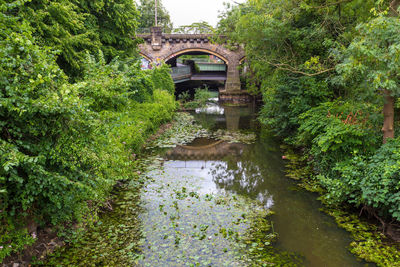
<point>190,223</point>
<point>176,219</point>
<point>172,216</point>
<point>185,130</point>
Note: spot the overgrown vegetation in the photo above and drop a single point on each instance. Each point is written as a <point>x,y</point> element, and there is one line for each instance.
<point>200,98</point>
<point>327,70</point>
<point>64,145</point>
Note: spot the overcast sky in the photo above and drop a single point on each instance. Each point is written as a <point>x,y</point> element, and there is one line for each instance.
<point>185,12</point>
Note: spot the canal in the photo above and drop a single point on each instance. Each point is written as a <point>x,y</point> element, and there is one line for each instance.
<point>220,199</point>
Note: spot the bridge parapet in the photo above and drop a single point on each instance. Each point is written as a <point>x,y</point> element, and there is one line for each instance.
<point>178,38</point>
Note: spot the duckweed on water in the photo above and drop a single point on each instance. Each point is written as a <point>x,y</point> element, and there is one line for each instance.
<point>113,241</point>
<point>368,243</point>
<point>188,225</point>
<point>168,217</point>
<point>185,130</point>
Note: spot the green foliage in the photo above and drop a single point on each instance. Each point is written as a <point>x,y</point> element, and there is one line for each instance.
<point>146,19</point>
<point>368,243</point>
<point>335,131</point>
<point>112,86</point>
<point>12,240</point>
<point>75,27</point>
<point>201,97</point>
<point>63,146</point>
<point>373,181</point>
<point>37,111</point>
<point>286,98</point>
<point>184,97</point>
<point>202,27</point>
<point>372,61</point>
<point>162,79</point>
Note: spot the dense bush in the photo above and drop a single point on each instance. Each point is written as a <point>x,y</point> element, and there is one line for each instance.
<point>162,79</point>
<point>63,146</point>
<point>372,181</point>
<point>75,27</point>
<point>201,97</point>
<point>287,97</point>
<point>335,131</point>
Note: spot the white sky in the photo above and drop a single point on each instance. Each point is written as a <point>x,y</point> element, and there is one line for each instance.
<point>185,12</point>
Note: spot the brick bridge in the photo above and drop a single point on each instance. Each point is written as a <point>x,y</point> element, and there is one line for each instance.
<point>161,47</point>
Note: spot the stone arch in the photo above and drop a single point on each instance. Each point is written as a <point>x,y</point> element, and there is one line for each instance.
<point>146,56</point>
<point>200,49</point>
<point>158,47</point>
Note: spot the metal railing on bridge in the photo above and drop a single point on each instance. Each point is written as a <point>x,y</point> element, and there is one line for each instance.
<point>210,66</point>
<point>181,73</point>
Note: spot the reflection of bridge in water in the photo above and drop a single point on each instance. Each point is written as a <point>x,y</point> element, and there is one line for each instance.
<point>205,149</point>
<point>231,118</point>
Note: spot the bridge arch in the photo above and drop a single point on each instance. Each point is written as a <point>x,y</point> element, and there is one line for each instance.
<point>158,47</point>
<point>146,56</point>
<point>178,52</point>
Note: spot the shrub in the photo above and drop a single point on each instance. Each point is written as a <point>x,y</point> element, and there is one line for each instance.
<point>201,97</point>
<point>334,131</point>
<point>162,80</point>
<point>286,98</point>
<point>373,181</point>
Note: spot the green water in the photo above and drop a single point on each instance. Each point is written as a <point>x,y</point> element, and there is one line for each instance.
<point>257,171</point>
<point>208,203</point>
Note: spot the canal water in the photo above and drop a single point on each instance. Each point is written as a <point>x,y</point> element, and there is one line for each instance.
<point>219,203</point>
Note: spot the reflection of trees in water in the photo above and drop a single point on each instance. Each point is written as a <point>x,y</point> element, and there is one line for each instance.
<point>208,121</point>
<point>209,150</point>
<point>228,117</point>
<point>243,177</point>
<point>236,176</point>
<point>258,173</point>
<point>250,174</point>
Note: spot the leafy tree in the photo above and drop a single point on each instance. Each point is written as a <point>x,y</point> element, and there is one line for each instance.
<point>196,28</point>
<point>147,14</point>
<point>75,27</point>
<point>288,48</point>
<point>372,61</point>
<point>62,145</point>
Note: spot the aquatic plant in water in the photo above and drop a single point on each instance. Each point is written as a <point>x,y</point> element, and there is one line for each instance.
<point>186,223</point>
<point>171,216</point>
<point>185,130</point>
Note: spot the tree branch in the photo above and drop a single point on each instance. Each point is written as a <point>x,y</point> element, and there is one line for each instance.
<point>283,66</point>
<point>332,4</point>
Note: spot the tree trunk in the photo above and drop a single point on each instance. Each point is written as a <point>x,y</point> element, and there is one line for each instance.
<point>388,107</point>
<point>394,5</point>
<point>388,114</point>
